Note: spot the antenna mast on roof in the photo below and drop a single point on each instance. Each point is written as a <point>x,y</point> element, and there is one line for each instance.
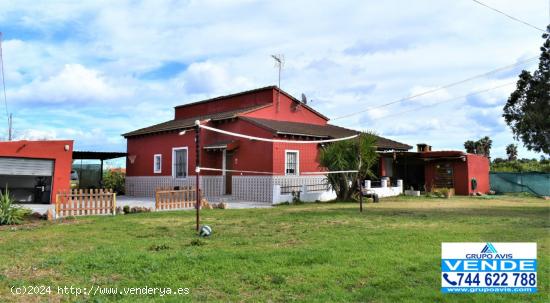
<point>279,62</point>
<point>8,115</point>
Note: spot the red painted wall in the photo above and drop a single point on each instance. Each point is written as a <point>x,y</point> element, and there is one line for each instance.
<point>460,175</point>
<point>145,147</point>
<point>308,155</point>
<point>251,155</point>
<point>474,166</point>
<point>478,167</point>
<point>286,112</point>
<point>51,150</point>
<point>225,104</point>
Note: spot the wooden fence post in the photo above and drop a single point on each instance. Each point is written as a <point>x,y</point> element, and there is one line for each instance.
<point>114,204</point>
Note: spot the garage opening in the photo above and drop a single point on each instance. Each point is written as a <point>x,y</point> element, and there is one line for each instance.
<point>27,180</point>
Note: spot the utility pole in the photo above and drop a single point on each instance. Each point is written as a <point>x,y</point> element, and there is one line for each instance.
<point>197,171</point>
<point>8,115</point>
<point>10,128</point>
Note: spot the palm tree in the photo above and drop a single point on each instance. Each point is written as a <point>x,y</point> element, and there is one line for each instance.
<point>359,154</point>
<point>512,152</point>
<point>485,145</point>
<point>470,146</point>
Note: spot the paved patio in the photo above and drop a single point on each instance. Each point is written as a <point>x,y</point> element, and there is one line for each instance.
<point>132,201</point>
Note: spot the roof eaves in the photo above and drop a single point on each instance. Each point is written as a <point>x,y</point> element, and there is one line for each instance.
<point>298,134</point>
<point>225,96</point>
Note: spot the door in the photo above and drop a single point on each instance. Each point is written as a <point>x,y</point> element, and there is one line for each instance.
<point>228,174</point>
<point>26,167</point>
<point>27,180</point>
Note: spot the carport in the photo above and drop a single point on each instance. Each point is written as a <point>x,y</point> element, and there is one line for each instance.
<point>92,175</point>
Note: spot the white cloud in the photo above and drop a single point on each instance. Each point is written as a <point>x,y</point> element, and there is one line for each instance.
<point>74,83</point>
<point>207,77</point>
<point>439,95</point>
<point>37,134</point>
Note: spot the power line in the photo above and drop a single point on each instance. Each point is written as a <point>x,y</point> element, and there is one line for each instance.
<point>8,116</point>
<point>437,89</point>
<point>509,16</point>
<point>447,100</point>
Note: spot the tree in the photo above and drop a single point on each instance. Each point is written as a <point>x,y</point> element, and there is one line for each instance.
<point>479,147</point>
<point>114,180</point>
<point>483,146</point>
<point>470,147</point>
<point>356,154</point>
<point>527,110</point>
<point>512,152</point>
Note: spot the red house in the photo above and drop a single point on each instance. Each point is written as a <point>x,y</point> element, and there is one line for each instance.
<point>164,155</point>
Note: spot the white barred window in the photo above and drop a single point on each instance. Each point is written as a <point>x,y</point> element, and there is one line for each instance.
<point>157,163</point>
<point>292,162</point>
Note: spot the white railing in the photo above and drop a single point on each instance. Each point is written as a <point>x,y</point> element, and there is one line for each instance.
<point>384,190</point>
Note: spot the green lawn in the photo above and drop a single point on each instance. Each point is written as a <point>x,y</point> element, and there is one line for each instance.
<point>313,252</point>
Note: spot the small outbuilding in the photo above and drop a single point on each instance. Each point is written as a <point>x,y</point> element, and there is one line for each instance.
<point>425,170</point>
<point>33,171</point>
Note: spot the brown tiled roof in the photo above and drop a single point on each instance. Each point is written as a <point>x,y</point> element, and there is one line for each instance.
<point>322,131</point>
<point>181,124</point>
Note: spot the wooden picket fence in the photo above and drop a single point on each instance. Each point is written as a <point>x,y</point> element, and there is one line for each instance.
<point>85,202</point>
<point>166,198</point>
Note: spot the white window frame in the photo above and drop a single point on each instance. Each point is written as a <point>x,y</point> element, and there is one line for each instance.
<point>155,170</point>
<point>174,162</point>
<point>297,162</point>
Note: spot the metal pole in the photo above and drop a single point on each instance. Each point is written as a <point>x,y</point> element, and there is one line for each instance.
<point>360,195</point>
<point>197,171</point>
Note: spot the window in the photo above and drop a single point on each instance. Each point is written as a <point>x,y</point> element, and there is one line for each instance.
<point>179,162</point>
<point>292,162</point>
<point>157,163</point>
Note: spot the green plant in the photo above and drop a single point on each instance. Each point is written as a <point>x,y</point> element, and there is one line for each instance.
<point>356,154</point>
<point>114,180</point>
<point>296,196</point>
<point>9,212</point>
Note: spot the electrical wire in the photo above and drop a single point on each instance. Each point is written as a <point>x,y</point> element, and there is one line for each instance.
<point>271,173</point>
<point>446,101</point>
<point>509,16</point>
<point>437,89</point>
<point>274,140</point>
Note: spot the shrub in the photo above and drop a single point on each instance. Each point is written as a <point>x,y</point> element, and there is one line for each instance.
<point>114,180</point>
<point>296,196</point>
<point>9,212</point>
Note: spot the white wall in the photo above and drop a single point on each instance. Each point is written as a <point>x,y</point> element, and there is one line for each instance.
<point>384,190</point>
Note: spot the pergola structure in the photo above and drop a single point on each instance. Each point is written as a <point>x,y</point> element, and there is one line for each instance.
<point>101,156</point>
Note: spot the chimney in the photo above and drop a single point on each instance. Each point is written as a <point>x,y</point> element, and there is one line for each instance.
<point>423,147</point>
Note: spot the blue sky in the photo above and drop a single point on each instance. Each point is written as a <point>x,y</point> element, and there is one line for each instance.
<point>92,70</point>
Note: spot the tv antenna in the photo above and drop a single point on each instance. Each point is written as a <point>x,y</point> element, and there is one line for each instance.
<point>279,63</point>
<point>8,115</point>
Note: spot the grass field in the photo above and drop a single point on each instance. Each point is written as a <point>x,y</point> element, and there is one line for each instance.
<point>314,252</point>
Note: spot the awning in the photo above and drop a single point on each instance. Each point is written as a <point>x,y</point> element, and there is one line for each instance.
<point>221,145</point>
<point>92,155</point>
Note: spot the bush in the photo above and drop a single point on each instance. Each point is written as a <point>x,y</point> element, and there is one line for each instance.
<point>9,212</point>
<point>114,180</point>
<point>521,165</point>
